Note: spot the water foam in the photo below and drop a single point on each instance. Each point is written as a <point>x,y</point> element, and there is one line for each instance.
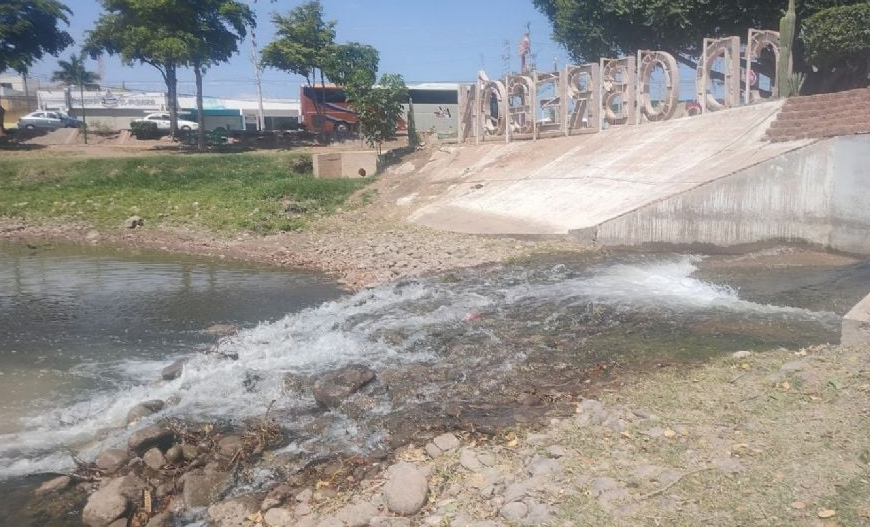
<point>354,329</point>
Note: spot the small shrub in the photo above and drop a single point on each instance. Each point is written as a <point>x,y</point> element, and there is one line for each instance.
<point>302,164</point>
<point>100,127</point>
<point>144,130</point>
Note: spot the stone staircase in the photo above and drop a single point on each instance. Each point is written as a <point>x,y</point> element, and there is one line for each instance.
<point>824,115</point>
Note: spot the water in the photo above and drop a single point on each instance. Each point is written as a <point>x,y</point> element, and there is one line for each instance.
<point>84,337</point>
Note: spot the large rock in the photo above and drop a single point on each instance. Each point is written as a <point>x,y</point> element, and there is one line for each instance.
<point>173,371</point>
<point>144,410</point>
<point>334,387</point>
<point>154,458</point>
<point>112,460</point>
<point>232,513</point>
<point>153,436</point>
<point>279,517</point>
<point>202,488</point>
<point>357,514</point>
<point>103,507</point>
<point>406,490</point>
<point>164,519</point>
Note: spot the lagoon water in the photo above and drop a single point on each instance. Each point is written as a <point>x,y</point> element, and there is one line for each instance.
<point>85,332</point>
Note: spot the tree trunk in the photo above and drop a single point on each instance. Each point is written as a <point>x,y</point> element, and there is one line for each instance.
<point>200,118</point>
<point>172,94</point>
<point>2,116</point>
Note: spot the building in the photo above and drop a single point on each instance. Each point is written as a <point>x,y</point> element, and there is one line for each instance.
<point>17,96</point>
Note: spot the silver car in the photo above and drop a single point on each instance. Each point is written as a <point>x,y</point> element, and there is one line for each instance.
<point>47,120</point>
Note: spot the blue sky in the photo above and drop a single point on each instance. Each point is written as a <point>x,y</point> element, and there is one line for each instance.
<point>447,40</point>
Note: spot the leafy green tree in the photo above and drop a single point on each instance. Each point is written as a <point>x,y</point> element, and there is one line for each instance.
<point>605,28</point>
<point>145,31</point>
<point>379,108</point>
<point>30,29</point>
<point>351,63</point>
<point>74,72</point>
<point>838,44</point>
<point>214,33</point>
<point>302,45</point>
<point>172,34</point>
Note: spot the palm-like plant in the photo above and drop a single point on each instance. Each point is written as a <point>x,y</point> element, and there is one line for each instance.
<point>74,72</point>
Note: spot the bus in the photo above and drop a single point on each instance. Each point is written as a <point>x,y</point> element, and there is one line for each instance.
<point>436,109</point>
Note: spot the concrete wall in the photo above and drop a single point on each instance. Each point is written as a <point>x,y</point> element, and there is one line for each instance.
<point>818,194</point>
<point>345,164</point>
<point>856,325</point>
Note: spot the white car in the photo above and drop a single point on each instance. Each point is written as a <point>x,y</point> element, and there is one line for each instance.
<point>162,120</point>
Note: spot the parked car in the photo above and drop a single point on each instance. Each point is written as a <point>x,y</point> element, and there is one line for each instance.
<point>162,121</point>
<point>47,120</point>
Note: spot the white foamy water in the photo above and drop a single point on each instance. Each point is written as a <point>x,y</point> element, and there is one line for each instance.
<point>354,329</point>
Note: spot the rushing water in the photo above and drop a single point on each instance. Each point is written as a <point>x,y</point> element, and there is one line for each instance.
<point>84,336</point>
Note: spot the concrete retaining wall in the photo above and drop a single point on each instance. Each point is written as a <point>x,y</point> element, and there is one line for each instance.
<point>351,164</point>
<point>856,325</point>
<point>819,193</point>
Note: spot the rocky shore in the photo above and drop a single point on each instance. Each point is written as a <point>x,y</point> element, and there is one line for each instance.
<point>776,438</point>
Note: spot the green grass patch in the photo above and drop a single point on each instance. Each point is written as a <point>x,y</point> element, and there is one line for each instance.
<point>221,192</point>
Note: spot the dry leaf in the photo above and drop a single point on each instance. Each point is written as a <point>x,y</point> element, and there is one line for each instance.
<point>745,366</point>
<point>799,505</point>
<point>512,443</point>
<point>321,483</point>
<point>146,501</point>
<point>827,513</point>
<point>786,386</point>
<point>257,517</point>
<point>669,433</point>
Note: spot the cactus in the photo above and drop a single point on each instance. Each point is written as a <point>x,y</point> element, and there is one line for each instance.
<point>785,87</point>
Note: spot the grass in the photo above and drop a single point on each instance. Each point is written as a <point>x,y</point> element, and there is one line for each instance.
<point>226,193</point>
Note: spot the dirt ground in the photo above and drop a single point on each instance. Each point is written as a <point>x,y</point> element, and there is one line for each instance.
<point>366,244</point>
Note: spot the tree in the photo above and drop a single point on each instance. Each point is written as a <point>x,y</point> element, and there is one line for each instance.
<point>171,34</point>
<point>29,29</point>
<point>74,72</point>
<point>145,31</point>
<point>214,34</point>
<point>304,41</point>
<point>379,108</point>
<point>351,63</point>
<point>605,28</point>
<point>838,44</point>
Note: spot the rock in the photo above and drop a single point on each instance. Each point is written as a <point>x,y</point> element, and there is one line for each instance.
<point>334,387</point>
<point>175,454</point>
<point>190,452</point>
<point>202,488</point>
<point>406,489</point>
<point>54,485</point>
<point>144,410</point>
<point>154,459</point>
<point>433,450</point>
<point>153,436</point>
<point>133,221</point>
<point>229,445</point>
<point>602,485</point>
<point>278,517</point>
<point>389,521</point>
<point>129,486</point>
<point>120,522</point>
<point>103,507</point>
<point>357,515</point>
<point>742,354</point>
<point>276,497</point>
<point>515,492</point>
<point>542,466</point>
<point>538,513</point>
<point>164,519</point>
<point>468,459</point>
<point>446,442</point>
<point>537,439</point>
<point>232,513</point>
<point>112,460</point>
<point>173,371</point>
<point>793,366</point>
<point>221,330</point>
<point>591,405</point>
<point>514,511</point>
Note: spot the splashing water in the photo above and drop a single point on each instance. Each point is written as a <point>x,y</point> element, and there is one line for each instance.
<point>388,327</point>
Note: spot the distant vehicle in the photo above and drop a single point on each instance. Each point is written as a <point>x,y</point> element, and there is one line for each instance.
<point>693,108</point>
<point>162,121</point>
<point>47,120</point>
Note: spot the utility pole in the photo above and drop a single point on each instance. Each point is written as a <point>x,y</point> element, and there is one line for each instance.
<point>255,59</point>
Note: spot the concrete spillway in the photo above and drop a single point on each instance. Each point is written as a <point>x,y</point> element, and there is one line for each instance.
<point>713,178</point>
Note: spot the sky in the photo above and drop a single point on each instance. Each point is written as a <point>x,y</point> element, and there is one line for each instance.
<point>444,40</point>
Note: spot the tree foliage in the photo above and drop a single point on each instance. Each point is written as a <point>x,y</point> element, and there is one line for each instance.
<point>302,43</point>
<point>351,63</point>
<point>607,28</point>
<point>171,34</point>
<point>838,42</point>
<point>74,71</point>
<point>379,108</point>
<point>30,29</point>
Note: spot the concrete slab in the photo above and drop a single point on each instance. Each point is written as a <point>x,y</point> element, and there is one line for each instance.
<point>553,186</point>
<point>349,164</point>
<point>856,325</point>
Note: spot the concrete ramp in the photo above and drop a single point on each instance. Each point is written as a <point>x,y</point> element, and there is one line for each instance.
<point>574,184</point>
